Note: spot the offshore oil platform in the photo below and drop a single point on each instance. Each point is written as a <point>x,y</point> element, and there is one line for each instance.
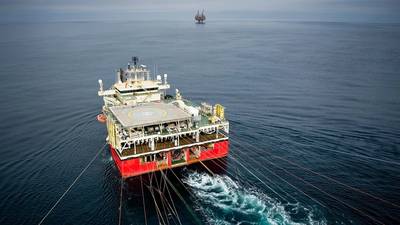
<point>200,18</point>
<point>149,130</point>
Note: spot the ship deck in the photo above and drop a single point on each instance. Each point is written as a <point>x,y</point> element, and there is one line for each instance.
<point>183,141</point>
<point>148,114</point>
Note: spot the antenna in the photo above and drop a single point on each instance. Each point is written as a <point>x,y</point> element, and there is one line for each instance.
<point>135,60</point>
<point>101,85</point>
<point>155,70</point>
<point>122,75</point>
<point>118,80</point>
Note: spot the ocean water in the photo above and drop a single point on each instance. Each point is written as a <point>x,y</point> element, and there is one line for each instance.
<point>314,110</point>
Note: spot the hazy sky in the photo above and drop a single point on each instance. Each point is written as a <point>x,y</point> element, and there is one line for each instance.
<point>326,10</point>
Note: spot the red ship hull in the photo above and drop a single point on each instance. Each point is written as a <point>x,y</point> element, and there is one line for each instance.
<point>135,166</point>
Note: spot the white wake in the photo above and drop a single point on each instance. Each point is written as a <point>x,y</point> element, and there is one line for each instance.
<point>224,201</point>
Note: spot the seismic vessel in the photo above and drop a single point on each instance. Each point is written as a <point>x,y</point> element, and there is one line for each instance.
<point>149,130</point>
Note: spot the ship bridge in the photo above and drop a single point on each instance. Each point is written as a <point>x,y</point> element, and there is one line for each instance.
<point>135,85</point>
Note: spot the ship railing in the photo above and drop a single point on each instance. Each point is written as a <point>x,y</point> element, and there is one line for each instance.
<point>129,149</point>
<point>138,136</point>
<point>126,140</point>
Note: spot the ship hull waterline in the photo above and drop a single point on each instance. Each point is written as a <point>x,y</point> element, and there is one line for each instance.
<point>135,166</point>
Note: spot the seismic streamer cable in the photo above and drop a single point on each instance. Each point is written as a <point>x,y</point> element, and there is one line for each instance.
<point>70,187</point>
<point>310,184</point>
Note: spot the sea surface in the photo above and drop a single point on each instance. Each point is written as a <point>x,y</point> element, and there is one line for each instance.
<point>314,110</point>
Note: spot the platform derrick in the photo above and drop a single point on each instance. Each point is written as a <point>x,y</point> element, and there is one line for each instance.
<point>200,18</point>
<point>147,131</point>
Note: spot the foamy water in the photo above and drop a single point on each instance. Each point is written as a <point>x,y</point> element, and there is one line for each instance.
<point>225,201</point>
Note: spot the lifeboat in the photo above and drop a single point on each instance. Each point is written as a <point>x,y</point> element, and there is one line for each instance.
<point>101,118</point>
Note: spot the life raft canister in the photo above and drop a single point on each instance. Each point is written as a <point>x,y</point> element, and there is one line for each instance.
<point>101,118</point>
